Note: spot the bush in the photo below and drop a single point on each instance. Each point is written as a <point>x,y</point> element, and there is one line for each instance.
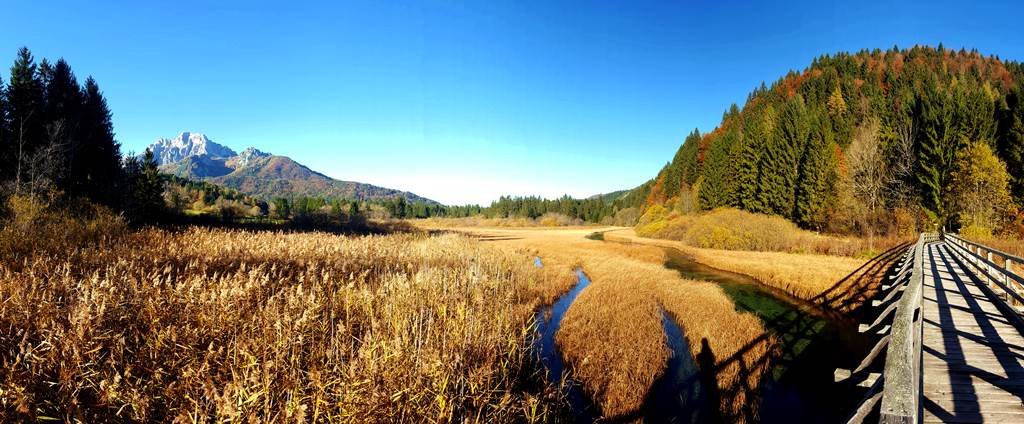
<point>38,225</point>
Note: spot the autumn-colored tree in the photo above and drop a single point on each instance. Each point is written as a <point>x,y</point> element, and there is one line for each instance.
<point>979,193</point>
<point>868,174</point>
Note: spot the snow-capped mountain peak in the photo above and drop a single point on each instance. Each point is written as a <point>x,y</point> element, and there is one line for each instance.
<point>187,144</point>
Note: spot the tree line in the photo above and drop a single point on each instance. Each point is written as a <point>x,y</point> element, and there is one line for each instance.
<point>858,142</point>
<point>590,210</point>
<point>57,139</point>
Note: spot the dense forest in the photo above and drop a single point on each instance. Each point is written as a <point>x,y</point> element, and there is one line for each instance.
<point>863,143</point>
<point>57,141</point>
<point>593,209</point>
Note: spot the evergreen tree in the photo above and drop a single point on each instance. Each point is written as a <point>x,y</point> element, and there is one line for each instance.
<point>282,208</point>
<point>781,163</point>
<point>815,191</point>
<point>1010,141</point>
<point>756,131</point>
<point>98,173</point>
<point>938,142</point>
<point>62,114</point>
<point>7,164</point>
<point>25,114</point>
<point>146,189</point>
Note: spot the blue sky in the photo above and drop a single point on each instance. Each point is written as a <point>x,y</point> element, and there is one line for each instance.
<point>465,101</point>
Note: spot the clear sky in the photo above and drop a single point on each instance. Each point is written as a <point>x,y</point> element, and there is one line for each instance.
<point>464,101</point>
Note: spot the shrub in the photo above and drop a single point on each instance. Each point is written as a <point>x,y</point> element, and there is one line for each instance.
<point>36,225</point>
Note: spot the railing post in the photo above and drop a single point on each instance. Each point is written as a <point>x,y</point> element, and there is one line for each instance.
<point>1007,266</point>
<point>991,270</point>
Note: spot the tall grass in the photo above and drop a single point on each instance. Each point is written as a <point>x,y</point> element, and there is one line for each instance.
<point>549,219</point>
<point>216,325</point>
<point>734,229</point>
<point>837,282</point>
<point>1010,244</point>
<point>612,336</point>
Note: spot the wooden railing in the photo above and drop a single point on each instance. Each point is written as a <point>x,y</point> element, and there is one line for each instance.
<point>1005,284</point>
<point>897,386</point>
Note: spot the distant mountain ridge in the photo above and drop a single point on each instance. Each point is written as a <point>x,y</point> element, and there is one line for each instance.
<point>257,173</point>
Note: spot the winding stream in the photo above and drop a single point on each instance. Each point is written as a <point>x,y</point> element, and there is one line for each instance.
<point>799,388</point>
<point>548,320</point>
<point>813,343</point>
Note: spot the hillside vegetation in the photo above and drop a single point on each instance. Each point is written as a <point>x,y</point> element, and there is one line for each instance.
<point>733,229</point>
<point>872,142</point>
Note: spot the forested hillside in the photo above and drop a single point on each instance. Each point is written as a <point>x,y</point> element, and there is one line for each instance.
<point>863,142</point>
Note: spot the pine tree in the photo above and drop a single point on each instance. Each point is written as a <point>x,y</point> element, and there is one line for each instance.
<point>7,164</point>
<point>25,114</point>
<point>782,161</point>
<point>757,129</point>
<point>1010,141</point>
<point>938,142</point>
<point>61,117</point>
<point>146,189</point>
<point>815,191</point>
<point>98,173</point>
<point>684,166</point>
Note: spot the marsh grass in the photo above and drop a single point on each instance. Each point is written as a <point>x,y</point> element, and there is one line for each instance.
<point>223,325</point>
<point>837,282</point>
<point>549,219</point>
<point>612,336</point>
<point>734,229</point>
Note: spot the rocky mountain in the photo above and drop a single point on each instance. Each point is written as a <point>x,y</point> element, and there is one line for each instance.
<point>186,144</point>
<point>257,173</point>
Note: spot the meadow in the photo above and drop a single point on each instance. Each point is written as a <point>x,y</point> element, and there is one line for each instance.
<point>550,219</point>
<point>200,325</point>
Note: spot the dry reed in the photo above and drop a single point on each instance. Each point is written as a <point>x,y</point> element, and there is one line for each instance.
<point>734,229</point>
<point>806,276</point>
<point>612,335</point>
<point>210,325</point>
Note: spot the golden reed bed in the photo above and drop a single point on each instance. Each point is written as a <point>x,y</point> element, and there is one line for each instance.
<point>837,282</point>
<point>612,335</point>
<point>209,325</point>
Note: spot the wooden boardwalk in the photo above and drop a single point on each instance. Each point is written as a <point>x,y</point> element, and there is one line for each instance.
<point>972,355</point>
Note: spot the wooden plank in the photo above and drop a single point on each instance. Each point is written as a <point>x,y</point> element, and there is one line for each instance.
<point>972,360</point>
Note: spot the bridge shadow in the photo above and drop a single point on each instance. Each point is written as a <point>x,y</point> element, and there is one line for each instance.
<point>966,400</point>
<point>860,286</point>
<point>729,389</point>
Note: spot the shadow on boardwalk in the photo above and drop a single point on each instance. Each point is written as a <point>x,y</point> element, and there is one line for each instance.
<point>972,353</point>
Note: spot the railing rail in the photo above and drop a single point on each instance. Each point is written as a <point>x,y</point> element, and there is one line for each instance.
<point>1008,285</point>
<point>902,372</point>
<point>963,241</point>
<point>897,386</point>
